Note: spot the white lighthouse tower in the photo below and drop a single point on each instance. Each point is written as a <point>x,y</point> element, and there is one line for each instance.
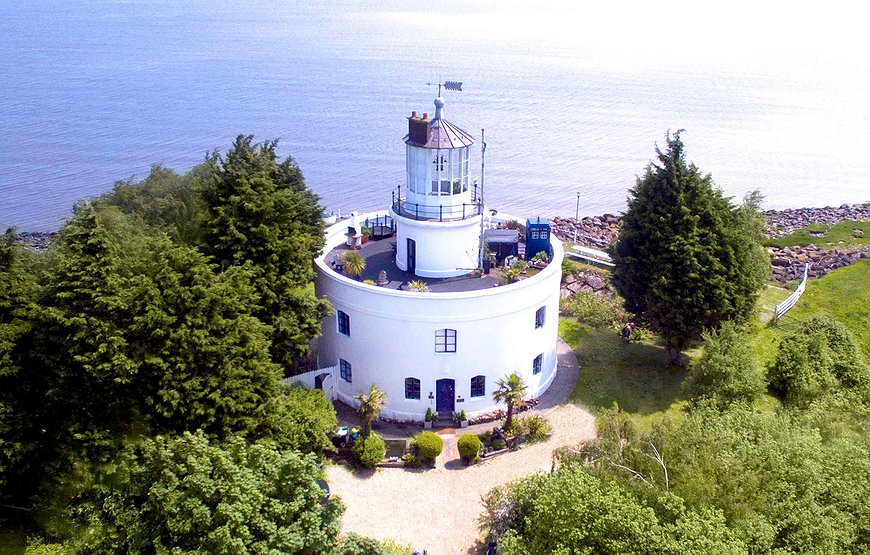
<point>437,214</point>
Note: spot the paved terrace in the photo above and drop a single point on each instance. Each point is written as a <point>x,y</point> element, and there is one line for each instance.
<point>380,255</point>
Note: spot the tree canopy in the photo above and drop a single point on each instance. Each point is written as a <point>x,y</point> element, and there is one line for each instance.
<point>686,258</point>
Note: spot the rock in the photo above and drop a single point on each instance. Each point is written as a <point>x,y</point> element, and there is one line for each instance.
<point>596,282</point>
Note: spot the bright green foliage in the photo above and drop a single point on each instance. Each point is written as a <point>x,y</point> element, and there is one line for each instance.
<point>510,391</point>
<point>427,445</point>
<point>593,310</point>
<point>354,264</point>
<point>571,511</point>
<point>260,212</point>
<point>354,544</point>
<point>165,200</point>
<point>726,372</point>
<point>819,357</point>
<point>369,450</point>
<point>469,446</point>
<point>533,427</point>
<point>686,258</point>
<point>190,496</point>
<point>782,487</point>
<point>300,419</point>
<point>370,406</point>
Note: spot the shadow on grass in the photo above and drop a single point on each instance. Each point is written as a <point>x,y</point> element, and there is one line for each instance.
<point>637,376</point>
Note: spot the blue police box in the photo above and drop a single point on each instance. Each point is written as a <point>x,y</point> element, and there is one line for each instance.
<point>537,237</point>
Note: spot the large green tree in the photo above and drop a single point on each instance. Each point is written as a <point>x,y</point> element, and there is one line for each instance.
<point>260,212</point>
<point>189,495</point>
<point>687,258</point>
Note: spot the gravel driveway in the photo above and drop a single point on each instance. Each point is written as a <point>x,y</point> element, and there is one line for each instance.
<point>438,509</point>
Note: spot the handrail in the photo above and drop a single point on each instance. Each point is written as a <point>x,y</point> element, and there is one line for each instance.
<point>792,299</point>
<point>441,213</point>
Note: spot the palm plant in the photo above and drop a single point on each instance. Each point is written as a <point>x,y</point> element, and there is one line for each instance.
<point>370,407</point>
<point>354,264</point>
<point>418,286</point>
<point>510,391</point>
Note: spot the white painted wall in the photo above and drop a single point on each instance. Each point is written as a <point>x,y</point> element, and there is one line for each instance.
<point>393,336</point>
<point>444,249</point>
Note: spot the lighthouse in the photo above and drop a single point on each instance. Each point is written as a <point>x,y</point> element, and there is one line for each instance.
<point>438,212</point>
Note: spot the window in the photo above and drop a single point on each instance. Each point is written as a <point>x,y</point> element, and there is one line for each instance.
<point>412,388</point>
<point>535,234</point>
<point>478,386</point>
<point>345,370</point>
<point>540,317</point>
<point>343,323</point>
<point>445,341</point>
<point>536,365</point>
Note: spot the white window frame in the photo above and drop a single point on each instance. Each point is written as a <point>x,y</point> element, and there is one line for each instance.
<point>443,343</point>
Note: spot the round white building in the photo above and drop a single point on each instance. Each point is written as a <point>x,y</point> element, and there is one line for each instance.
<point>441,349</point>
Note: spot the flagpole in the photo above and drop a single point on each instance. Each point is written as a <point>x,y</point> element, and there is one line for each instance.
<point>482,207</point>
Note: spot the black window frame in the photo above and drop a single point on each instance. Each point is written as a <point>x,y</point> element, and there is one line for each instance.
<point>479,387</point>
<point>537,364</point>
<point>445,340</point>
<point>343,319</point>
<point>414,383</point>
<point>345,370</point>
<point>540,317</point>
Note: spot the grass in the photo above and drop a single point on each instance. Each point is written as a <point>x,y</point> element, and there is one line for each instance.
<point>840,235</point>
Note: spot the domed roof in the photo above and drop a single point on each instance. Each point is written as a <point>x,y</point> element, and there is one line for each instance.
<point>437,132</point>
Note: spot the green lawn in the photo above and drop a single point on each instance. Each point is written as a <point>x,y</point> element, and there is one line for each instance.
<point>638,378</point>
<point>839,235</point>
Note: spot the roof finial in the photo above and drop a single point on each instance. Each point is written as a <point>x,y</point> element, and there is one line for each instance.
<point>439,102</point>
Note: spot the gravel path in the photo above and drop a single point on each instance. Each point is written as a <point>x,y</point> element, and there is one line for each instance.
<point>438,509</point>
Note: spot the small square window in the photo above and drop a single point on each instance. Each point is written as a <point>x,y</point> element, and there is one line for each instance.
<point>343,323</point>
<point>540,317</point>
<point>412,388</point>
<point>478,386</point>
<point>345,370</point>
<point>536,365</point>
<point>534,234</point>
<point>445,341</point>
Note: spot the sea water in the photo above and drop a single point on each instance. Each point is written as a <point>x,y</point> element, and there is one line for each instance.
<point>574,97</point>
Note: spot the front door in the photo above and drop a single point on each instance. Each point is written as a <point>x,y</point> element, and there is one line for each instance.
<point>445,398</point>
<point>412,256</point>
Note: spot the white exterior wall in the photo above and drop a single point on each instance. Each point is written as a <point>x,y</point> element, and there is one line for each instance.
<point>392,336</point>
<point>438,246</point>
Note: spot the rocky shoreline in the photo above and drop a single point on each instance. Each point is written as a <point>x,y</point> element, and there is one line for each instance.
<point>600,231</point>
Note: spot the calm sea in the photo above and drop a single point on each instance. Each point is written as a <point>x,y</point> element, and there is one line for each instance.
<point>574,97</point>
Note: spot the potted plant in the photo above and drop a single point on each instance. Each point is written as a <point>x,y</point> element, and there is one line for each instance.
<point>366,234</point>
<point>429,418</point>
<point>461,419</point>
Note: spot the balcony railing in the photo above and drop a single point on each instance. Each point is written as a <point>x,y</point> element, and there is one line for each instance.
<point>438,213</point>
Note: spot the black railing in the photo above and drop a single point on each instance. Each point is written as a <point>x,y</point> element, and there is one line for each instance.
<point>440,213</point>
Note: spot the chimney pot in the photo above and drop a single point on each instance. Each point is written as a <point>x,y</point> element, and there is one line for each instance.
<point>425,116</point>
<point>414,115</point>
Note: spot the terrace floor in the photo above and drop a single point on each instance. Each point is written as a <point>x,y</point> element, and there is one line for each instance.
<point>380,254</point>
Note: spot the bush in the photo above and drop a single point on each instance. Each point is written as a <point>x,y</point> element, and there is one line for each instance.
<point>534,427</point>
<point>498,444</point>
<point>726,371</point>
<point>427,445</point>
<point>593,310</point>
<point>369,451</point>
<point>469,446</point>
<point>819,357</point>
<point>354,544</point>
<point>430,416</point>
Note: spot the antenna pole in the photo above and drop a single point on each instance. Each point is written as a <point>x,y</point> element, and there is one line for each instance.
<point>480,200</point>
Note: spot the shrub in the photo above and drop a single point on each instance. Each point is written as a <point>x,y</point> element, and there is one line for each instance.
<point>354,544</point>
<point>498,444</point>
<point>486,437</point>
<point>534,427</point>
<point>592,309</point>
<point>427,445</point>
<point>369,451</point>
<point>726,371</point>
<point>469,446</point>
<point>430,416</point>
<point>418,286</point>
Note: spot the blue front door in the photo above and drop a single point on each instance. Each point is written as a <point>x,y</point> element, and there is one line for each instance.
<point>444,398</point>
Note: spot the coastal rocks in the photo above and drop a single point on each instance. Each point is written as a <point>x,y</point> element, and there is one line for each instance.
<point>785,222</point>
<point>787,264</point>
<point>36,240</point>
<point>591,231</point>
<point>586,281</point>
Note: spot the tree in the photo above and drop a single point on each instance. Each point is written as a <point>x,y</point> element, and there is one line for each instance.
<point>686,258</point>
<point>369,450</point>
<point>354,264</point>
<point>259,212</point>
<point>510,391</point>
<point>187,495</point>
<point>726,372</point>
<point>370,407</point>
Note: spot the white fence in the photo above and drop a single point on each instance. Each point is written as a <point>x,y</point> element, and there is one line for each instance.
<point>322,378</point>
<point>792,299</point>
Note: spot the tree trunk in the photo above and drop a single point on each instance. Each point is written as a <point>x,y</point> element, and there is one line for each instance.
<point>510,416</point>
<point>675,354</point>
